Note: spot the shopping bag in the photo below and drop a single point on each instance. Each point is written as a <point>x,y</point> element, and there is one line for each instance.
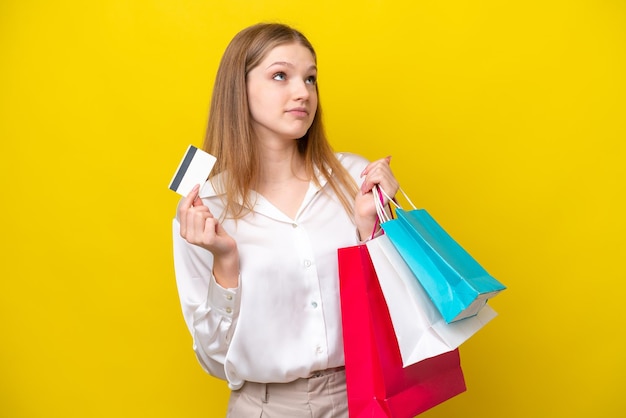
<point>420,329</point>
<point>456,283</point>
<point>377,383</point>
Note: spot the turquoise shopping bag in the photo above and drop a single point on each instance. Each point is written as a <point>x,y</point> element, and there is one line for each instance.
<point>456,283</point>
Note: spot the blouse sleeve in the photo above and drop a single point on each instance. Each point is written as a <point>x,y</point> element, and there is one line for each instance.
<point>210,311</point>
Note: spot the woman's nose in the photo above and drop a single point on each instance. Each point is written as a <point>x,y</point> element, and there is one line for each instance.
<point>301,90</point>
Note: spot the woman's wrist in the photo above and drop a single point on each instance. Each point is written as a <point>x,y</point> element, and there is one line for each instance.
<point>367,229</point>
<point>226,271</point>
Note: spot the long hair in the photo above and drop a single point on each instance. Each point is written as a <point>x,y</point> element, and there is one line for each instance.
<point>230,137</point>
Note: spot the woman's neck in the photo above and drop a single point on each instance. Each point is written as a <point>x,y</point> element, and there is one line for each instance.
<point>283,180</point>
<point>281,165</point>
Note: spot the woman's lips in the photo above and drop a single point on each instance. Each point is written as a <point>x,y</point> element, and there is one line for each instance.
<point>298,112</point>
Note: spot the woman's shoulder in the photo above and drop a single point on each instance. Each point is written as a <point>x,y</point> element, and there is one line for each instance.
<point>354,163</point>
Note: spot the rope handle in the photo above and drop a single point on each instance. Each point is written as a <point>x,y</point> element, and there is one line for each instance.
<point>381,215</point>
<point>378,202</point>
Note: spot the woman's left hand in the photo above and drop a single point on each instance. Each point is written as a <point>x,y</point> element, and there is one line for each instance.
<point>376,173</point>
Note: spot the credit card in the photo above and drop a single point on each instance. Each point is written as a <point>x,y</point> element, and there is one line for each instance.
<point>193,169</point>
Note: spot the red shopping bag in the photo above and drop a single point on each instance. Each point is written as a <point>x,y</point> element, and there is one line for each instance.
<point>377,383</point>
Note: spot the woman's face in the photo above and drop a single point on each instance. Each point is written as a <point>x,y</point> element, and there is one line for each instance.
<point>282,93</point>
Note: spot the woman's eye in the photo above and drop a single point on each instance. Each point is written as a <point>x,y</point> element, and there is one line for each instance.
<point>279,76</point>
<point>311,79</point>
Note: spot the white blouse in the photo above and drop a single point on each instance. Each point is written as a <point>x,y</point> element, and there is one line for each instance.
<point>283,322</point>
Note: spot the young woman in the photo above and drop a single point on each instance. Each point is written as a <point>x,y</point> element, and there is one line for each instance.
<point>255,247</point>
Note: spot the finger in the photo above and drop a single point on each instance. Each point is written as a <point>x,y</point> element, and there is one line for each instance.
<point>189,231</point>
<point>209,231</point>
<point>197,202</point>
<point>197,224</point>
<point>382,175</point>
<point>373,164</point>
<point>184,206</point>
<point>387,180</point>
<point>211,226</point>
<point>374,175</point>
<point>193,194</point>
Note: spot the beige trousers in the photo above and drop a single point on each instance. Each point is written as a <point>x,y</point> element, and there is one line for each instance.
<point>320,396</point>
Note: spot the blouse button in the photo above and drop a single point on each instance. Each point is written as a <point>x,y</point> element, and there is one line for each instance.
<point>229,310</point>
<point>294,225</point>
<point>307,263</point>
<point>314,304</point>
<point>229,297</point>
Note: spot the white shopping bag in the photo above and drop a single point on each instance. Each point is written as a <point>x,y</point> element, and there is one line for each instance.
<point>420,329</point>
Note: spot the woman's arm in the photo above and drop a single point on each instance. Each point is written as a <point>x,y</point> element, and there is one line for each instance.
<point>206,263</point>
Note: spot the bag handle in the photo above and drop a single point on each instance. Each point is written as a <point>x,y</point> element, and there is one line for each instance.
<point>378,202</point>
<point>381,214</point>
<point>378,193</point>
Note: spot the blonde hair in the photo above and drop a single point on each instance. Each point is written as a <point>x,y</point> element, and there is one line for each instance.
<point>230,137</point>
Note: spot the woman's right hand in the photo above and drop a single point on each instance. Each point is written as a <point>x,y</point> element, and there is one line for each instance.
<point>199,227</point>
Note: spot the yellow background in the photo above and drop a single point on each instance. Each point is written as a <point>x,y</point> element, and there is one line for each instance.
<point>505,119</point>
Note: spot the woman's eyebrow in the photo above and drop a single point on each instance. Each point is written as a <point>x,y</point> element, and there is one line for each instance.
<point>285,63</point>
<point>313,67</point>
